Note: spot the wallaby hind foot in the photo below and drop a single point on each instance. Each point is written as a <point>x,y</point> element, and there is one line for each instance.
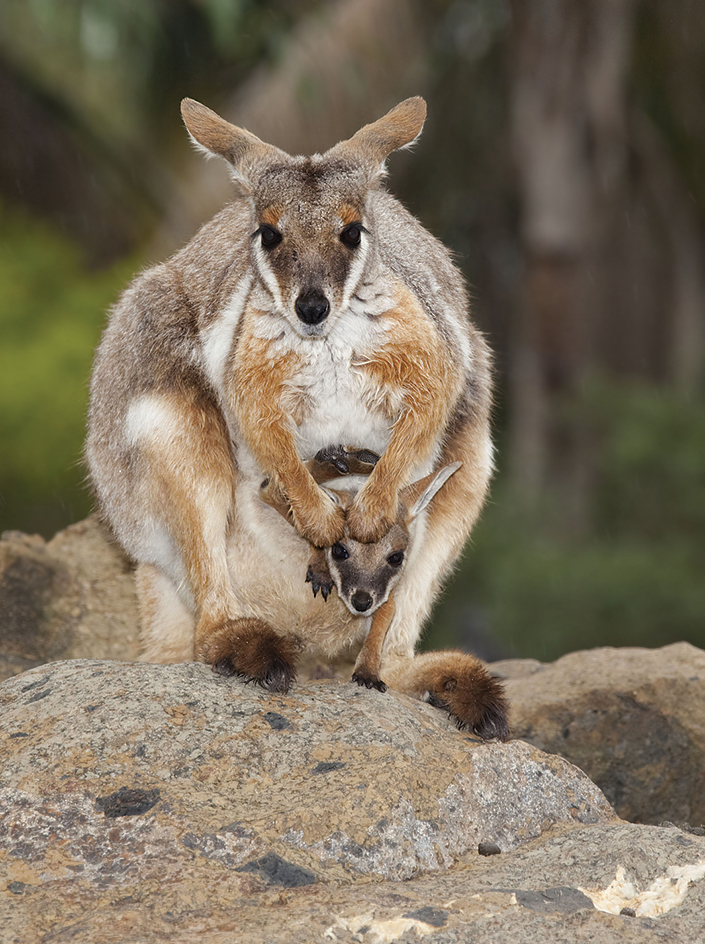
<point>252,650</point>
<point>459,684</point>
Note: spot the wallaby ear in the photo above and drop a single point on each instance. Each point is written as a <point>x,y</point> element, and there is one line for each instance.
<point>418,495</point>
<point>273,497</point>
<point>399,128</point>
<point>341,499</point>
<point>217,136</point>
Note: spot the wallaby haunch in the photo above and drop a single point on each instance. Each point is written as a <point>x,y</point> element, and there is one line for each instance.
<point>312,310</point>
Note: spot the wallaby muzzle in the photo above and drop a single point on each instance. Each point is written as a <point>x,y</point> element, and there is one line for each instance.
<point>361,600</point>
<point>312,307</point>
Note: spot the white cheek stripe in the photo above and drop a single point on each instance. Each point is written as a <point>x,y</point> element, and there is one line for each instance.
<point>217,339</point>
<point>355,273</point>
<point>268,277</point>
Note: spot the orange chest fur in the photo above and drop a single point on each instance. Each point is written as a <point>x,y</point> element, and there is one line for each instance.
<point>377,367</point>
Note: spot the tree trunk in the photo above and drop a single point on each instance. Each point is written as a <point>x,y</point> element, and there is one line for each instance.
<point>568,121</point>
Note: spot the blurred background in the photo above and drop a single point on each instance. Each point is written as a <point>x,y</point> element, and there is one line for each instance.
<point>563,161</point>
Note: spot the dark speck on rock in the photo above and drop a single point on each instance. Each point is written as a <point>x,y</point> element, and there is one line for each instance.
<point>38,696</point>
<point>436,917</point>
<point>276,721</point>
<point>37,684</point>
<point>325,767</point>
<point>488,849</point>
<point>128,802</point>
<point>561,900</point>
<point>279,872</point>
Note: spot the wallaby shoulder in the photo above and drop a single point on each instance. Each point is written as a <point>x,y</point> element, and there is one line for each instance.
<point>153,334</point>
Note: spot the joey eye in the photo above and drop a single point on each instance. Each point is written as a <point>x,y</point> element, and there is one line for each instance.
<point>339,552</point>
<point>269,236</point>
<point>396,559</point>
<point>351,235</point>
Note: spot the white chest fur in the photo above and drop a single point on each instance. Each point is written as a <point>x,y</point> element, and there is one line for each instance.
<point>341,401</point>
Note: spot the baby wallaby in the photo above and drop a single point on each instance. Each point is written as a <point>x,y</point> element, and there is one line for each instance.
<point>365,575</point>
<point>313,309</point>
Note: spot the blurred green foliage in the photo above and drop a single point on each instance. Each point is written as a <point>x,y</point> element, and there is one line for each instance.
<point>636,577</point>
<point>51,316</point>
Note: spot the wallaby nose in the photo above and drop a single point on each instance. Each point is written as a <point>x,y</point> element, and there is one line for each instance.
<point>361,601</point>
<point>312,307</point>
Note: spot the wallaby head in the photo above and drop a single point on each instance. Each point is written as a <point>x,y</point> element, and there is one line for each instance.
<point>366,574</point>
<point>311,231</point>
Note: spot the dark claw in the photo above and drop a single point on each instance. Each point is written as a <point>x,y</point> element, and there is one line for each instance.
<point>226,668</point>
<point>493,725</point>
<point>437,702</point>
<point>325,585</point>
<point>278,678</point>
<point>369,681</point>
<point>366,456</point>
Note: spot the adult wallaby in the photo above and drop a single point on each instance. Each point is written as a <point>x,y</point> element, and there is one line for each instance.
<point>312,310</point>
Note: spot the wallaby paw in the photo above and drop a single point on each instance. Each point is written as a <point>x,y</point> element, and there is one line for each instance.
<point>319,580</point>
<point>368,521</point>
<point>474,699</point>
<point>343,460</point>
<point>369,680</point>
<point>252,650</point>
<point>321,523</point>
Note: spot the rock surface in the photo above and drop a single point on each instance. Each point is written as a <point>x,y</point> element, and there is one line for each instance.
<point>150,803</point>
<point>70,598</point>
<point>340,781</point>
<point>632,719</point>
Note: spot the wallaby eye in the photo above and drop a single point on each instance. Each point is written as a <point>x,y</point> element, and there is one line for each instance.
<point>351,235</point>
<point>339,552</point>
<point>396,559</point>
<point>269,236</point>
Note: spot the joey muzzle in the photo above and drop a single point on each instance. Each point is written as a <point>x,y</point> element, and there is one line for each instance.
<point>361,600</point>
<point>312,307</point>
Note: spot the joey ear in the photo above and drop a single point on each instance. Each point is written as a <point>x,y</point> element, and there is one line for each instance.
<point>217,136</point>
<point>274,500</point>
<point>341,499</point>
<point>399,128</point>
<point>418,495</point>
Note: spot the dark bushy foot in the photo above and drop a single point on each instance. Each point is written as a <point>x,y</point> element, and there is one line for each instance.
<point>251,649</point>
<point>473,698</point>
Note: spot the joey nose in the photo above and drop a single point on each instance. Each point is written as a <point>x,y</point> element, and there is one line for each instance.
<point>312,307</point>
<point>361,601</point>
